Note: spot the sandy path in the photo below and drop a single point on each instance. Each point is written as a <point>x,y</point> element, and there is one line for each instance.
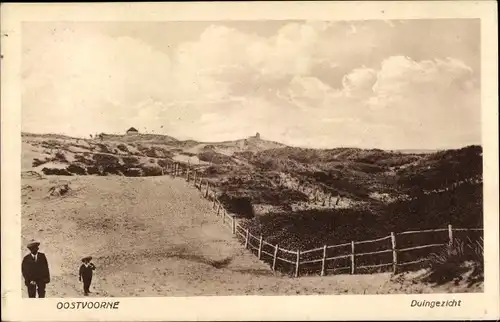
<point>156,236</point>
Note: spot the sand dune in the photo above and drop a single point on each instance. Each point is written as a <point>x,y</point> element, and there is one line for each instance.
<point>156,236</point>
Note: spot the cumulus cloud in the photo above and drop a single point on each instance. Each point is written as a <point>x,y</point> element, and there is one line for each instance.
<point>318,84</point>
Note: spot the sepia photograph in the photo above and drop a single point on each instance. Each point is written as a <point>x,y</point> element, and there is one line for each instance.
<point>262,157</point>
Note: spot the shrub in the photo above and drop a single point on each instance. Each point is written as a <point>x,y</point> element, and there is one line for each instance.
<point>115,169</point>
<point>93,170</point>
<point>77,169</point>
<point>241,206</point>
<point>164,163</point>
<point>105,160</point>
<point>55,171</point>
<point>130,161</point>
<point>450,263</point>
<point>122,147</point>
<point>60,157</point>
<point>37,162</point>
<point>149,152</point>
<point>152,171</point>
<point>214,157</point>
<point>103,148</point>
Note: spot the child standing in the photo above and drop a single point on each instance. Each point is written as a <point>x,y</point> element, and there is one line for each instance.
<point>85,274</point>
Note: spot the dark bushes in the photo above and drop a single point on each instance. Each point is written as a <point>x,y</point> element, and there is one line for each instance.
<point>93,170</point>
<point>103,148</point>
<point>214,157</point>
<point>241,206</point>
<point>149,170</point>
<point>60,157</point>
<point>122,147</point>
<point>55,171</point>
<point>77,169</point>
<point>164,163</point>
<point>37,162</point>
<point>130,161</point>
<point>106,160</point>
<point>451,263</point>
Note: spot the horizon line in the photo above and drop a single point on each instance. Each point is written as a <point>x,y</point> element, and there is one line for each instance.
<point>262,139</point>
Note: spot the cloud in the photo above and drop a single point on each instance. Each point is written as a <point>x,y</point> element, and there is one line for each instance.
<point>315,83</point>
<point>425,102</point>
<point>82,82</point>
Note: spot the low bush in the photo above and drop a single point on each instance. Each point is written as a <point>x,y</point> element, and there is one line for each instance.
<point>130,161</point>
<point>164,163</point>
<point>106,160</point>
<point>152,171</point>
<point>241,206</point>
<point>77,169</point>
<point>214,157</point>
<point>36,162</point>
<point>56,171</point>
<point>450,263</point>
<point>103,148</point>
<point>93,170</point>
<point>82,159</point>
<point>122,147</point>
<point>60,156</point>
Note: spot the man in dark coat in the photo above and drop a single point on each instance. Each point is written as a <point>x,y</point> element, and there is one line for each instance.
<point>35,269</point>
<point>85,274</point>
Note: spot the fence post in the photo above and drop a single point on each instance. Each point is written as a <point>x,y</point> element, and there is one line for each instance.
<point>213,206</point>
<point>323,262</point>
<point>274,257</point>
<point>394,254</point>
<point>218,211</point>
<point>194,177</point>
<point>187,174</point>
<point>353,264</point>
<point>260,247</point>
<point>297,263</point>
<point>206,191</point>
<point>246,239</point>
<point>450,234</point>
<point>233,225</point>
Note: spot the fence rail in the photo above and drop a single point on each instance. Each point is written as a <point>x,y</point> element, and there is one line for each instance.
<point>257,243</point>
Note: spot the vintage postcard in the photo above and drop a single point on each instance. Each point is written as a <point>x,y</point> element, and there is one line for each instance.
<point>249,161</point>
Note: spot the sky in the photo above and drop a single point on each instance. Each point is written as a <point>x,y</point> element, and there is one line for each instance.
<point>399,84</point>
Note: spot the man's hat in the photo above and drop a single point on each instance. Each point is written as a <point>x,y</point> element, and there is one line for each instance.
<point>88,258</point>
<point>33,244</point>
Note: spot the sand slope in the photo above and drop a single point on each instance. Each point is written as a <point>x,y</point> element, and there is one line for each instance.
<point>156,236</point>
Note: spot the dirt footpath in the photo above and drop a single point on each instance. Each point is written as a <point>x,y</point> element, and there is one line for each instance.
<point>156,236</point>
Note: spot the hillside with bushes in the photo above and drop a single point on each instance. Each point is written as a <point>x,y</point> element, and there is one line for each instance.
<point>262,181</point>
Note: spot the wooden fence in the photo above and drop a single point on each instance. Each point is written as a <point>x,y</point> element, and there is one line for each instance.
<point>328,258</point>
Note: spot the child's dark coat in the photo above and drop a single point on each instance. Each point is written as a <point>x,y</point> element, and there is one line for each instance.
<point>85,274</point>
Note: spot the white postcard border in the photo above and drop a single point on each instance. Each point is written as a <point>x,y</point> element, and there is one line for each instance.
<point>320,307</point>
